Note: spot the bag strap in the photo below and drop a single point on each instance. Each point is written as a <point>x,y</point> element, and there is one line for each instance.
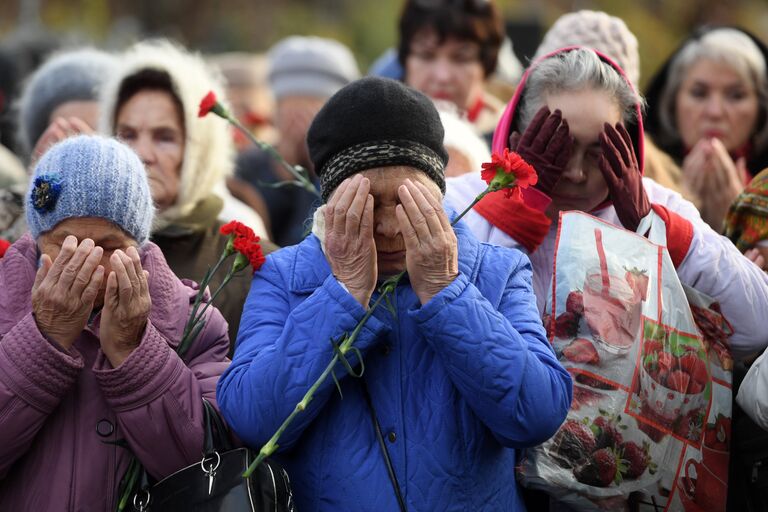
<point>216,434</point>
<point>383,446</point>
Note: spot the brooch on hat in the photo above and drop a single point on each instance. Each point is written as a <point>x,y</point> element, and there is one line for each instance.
<point>45,192</point>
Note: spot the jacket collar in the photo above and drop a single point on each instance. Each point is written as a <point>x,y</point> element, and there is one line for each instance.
<point>310,268</point>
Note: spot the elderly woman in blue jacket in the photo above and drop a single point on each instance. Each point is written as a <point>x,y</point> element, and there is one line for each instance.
<point>459,371</point>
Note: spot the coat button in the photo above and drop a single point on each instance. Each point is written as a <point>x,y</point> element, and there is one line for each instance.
<point>392,437</point>
<point>105,428</point>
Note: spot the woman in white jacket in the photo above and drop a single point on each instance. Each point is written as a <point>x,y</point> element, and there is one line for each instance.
<point>581,127</point>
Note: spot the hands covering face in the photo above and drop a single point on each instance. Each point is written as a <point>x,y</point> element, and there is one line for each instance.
<point>126,306</point>
<point>66,290</point>
<point>547,145</point>
<point>431,245</point>
<point>622,175</point>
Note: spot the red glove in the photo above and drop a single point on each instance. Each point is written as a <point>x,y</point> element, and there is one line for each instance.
<point>547,145</point>
<point>622,174</point>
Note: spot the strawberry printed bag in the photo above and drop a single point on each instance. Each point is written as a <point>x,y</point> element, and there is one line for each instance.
<point>649,426</point>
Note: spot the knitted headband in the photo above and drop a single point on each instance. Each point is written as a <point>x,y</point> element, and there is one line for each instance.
<point>376,122</point>
<point>384,153</point>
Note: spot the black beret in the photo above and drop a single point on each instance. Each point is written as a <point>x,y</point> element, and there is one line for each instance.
<point>376,122</point>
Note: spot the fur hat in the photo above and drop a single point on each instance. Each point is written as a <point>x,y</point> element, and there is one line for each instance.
<point>73,75</point>
<point>597,30</point>
<point>90,176</point>
<point>376,122</point>
<point>208,148</point>
<point>310,66</point>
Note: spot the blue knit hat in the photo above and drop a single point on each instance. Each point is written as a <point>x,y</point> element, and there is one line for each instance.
<point>73,75</point>
<point>90,176</point>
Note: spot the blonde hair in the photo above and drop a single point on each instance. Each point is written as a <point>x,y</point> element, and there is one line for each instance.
<point>724,45</point>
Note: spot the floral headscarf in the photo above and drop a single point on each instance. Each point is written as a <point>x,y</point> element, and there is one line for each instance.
<point>747,221</point>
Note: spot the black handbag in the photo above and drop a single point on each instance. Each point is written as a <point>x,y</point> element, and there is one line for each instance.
<point>216,483</point>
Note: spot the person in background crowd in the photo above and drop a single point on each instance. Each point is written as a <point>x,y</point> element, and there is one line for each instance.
<point>448,51</point>
<point>461,373</point>
<point>253,105</point>
<point>579,107</point>
<point>708,107</point>
<point>151,103</point>
<point>501,84</point>
<point>467,151</point>
<point>303,73</point>
<point>247,90</point>
<point>611,36</point>
<point>746,224</point>
<point>59,99</point>
<point>90,315</point>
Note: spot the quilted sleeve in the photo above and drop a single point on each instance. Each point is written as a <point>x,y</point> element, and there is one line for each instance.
<point>157,397</point>
<point>499,358</point>
<point>282,350</point>
<point>35,375</point>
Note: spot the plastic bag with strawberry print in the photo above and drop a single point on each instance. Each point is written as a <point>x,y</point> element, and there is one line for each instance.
<point>644,393</point>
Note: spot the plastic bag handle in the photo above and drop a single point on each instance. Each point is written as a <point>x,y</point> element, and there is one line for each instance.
<point>655,227</point>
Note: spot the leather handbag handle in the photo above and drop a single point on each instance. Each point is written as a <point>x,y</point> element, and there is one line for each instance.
<point>216,433</point>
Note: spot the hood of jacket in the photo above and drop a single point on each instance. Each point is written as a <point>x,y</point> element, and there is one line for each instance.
<point>510,119</point>
<point>208,149</point>
<point>758,160</point>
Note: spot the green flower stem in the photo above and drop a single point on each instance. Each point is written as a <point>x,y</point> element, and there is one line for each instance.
<point>226,280</point>
<point>302,178</point>
<point>471,205</point>
<point>269,448</point>
<point>199,297</point>
<point>132,474</point>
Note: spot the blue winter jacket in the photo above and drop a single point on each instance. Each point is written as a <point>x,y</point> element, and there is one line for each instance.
<point>458,384</point>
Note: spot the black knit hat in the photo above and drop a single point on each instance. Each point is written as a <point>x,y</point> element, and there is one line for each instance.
<point>376,122</point>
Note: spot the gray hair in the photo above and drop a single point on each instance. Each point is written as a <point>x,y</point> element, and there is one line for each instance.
<point>576,70</point>
<point>724,45</point>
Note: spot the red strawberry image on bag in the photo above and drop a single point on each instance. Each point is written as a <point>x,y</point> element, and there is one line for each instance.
<point>583,351</point>
<point>637,280</point>
<point>573,443</point>
<point>601,469</point>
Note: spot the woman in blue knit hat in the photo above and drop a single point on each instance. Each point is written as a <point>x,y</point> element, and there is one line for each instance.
<point>90,315</point>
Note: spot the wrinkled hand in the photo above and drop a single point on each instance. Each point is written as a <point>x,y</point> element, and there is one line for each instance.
<point>349,244</point>
<point>431,248</point>
<point>65,290</point>
<point>547,145</point>
<point>756,257</point>
<point>126,306</point>
<point>619,167</point>
<point>714,178</point>
<point>57,131</point>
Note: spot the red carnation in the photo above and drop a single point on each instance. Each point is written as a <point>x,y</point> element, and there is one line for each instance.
<point>4,245</point>
<point>237,228</point>
<point>251,250</point>
<point>508,172</point>
<point>207,104</point>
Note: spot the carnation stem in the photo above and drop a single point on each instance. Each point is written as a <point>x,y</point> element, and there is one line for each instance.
<point>471,205</point>
<point>302,180</point>
<point>269,448</point>
<point>226,280</point>
<point>198,297</point>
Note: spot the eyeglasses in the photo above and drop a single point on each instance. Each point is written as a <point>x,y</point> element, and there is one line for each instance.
<point>461,4</point>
